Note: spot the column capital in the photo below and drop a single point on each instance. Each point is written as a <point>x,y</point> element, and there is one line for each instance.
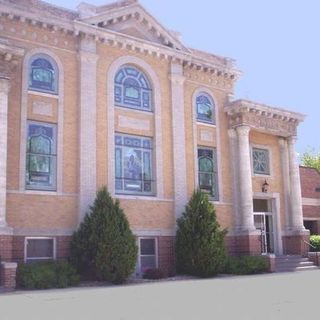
<point>243,130</point>
<point>232,133</point>
<point>292,139</point>
<point>4,85</point>
<point>282,142</point>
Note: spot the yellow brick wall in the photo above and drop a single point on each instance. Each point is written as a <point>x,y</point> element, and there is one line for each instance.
<point>33,210</point>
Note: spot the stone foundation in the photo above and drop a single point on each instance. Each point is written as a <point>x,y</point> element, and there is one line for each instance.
<point>296,244</point>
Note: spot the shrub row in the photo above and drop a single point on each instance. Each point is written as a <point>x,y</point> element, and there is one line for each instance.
<point>246,265</point>
<point>315,242</point>
<point>44,275</point>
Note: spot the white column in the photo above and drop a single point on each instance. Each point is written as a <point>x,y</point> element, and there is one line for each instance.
<point>286,180</point>
<point>4,90</point>
<point>245,180</point>
<point>87,128</point>
<point>233,140</point>
<point>295,189</point>
<point>179,141</point>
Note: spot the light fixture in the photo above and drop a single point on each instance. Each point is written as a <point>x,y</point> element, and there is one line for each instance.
<point>265,186</point>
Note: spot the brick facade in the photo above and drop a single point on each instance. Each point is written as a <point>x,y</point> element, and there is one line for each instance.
<point>88,55</point>
<point>310,187</point>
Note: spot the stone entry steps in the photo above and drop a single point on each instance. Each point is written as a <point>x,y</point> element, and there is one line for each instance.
<point>289,263</point>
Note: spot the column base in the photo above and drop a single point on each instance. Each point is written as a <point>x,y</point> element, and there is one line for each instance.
<point>296,242</point>
<point>245,242</point>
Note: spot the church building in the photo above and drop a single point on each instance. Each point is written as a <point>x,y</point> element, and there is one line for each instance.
<point>107,96</point>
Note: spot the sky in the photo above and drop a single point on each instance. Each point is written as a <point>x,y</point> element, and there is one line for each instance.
<point>275,44</point>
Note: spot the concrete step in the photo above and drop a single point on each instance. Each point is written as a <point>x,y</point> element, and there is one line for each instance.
<point>291,263</point>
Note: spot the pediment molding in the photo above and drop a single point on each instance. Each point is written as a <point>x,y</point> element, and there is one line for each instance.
<point>135,16</point>
<point>271,120</point>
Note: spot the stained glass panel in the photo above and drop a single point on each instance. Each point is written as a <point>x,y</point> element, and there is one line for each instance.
<point>208,178</point>
<point>41,157</point>
<point>42,75</point>
<point>205,108</point>
<point>132,89</point>
<point>133,164</point>
<point>260,161</point>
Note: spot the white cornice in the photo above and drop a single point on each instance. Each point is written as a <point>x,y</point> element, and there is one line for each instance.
<point>243,106</point>
<point>81,29</point>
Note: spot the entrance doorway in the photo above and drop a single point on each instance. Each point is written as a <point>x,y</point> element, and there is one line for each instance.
<point>263,221</point>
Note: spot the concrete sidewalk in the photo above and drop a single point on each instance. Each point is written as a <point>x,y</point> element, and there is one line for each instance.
<point>272,296</point>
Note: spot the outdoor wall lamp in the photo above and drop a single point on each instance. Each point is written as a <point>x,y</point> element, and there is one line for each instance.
<point>265,186</point>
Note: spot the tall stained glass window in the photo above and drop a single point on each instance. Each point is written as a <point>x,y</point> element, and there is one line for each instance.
<point>41,156</point>
<point>133,165</point>
<point>205,108</point>
<point>208,173</point>
<point>260,160</point>
<point>132,89</point>
<point>43,74</point>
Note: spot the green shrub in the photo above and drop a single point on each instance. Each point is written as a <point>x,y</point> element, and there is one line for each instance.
<point>199,246</point>
<point>315,242</point>
<point>153,273</point>
<point>104,245</point>
<point>44,275</point>
<point>246,265</point>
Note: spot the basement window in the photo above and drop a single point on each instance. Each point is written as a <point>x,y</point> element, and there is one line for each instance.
<point>39,249</point>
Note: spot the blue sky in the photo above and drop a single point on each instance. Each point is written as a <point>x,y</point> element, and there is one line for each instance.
<point>275,43</point>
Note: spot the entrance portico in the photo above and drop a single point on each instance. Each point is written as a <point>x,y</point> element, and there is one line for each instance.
<point>280,228</point>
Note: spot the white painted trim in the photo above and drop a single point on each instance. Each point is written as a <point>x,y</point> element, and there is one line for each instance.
<point>275,211</point>
<point>39,258</point>
<point>158,154</point>
<point>142,197</point>
<point>139,272</point>
<point>24,112</point>
<point>310,202</point>
<point>43,94</point>
<point>195,138</point>
<point>269,149</point>
<point>43,193</point>
<point>43,232</point>
<point>154,233</point>
<point>311,219</point>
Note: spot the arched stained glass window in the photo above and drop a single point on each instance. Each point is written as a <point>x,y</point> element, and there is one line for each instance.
<point>205,108</point>
<point>132,89</point>
<point>208,175</point>
<point>43,74</point>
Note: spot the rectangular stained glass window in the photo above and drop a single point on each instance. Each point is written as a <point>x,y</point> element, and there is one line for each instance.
<point>133,165</point>
<point>41,157</point>
<point>208,173</point>
<point>260,161</point>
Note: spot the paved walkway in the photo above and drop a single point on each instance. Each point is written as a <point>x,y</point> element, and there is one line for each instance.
<point>286,296</point>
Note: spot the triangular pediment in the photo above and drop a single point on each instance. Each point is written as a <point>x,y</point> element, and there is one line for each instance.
<point>129,18</point>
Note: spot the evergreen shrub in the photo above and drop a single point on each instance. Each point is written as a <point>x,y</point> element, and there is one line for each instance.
<point>104,247</point>
<point>199,248</point>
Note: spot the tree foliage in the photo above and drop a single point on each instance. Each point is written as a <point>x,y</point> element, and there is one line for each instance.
<point>311,158</point>
<point>199,247</point>
<point>104,245</point>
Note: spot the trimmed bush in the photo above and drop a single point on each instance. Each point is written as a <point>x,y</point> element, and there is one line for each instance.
<point>246,265</point>
<point>44,275</point>
<point>315,242</point>
<point>199,246</point>
<point>153,273</point>
<point>104,246</point>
